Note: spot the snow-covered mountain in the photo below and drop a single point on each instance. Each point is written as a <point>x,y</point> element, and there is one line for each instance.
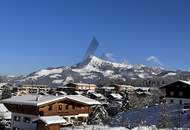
<point>92,70</point>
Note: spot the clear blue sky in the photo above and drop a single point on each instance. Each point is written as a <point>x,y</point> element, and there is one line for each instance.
<point>38,33</point>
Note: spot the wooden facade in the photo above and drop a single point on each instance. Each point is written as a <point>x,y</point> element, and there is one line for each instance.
<point>48,112</point>
<point>177,89</point>
<point>62,108</point>
<point>177,92</point>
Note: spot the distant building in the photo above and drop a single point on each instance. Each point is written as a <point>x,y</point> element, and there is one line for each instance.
<point>31,89</point>
<point>35,112</point>
<point>81,87</point>
<point>177,92</point>
<point>121,88</point>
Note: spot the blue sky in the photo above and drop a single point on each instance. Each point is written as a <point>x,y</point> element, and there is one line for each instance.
<point>36,34</point>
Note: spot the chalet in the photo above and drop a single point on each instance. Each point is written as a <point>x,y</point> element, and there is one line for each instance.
<point>177,92</point>
<point>82,87</point>
<point>37,112</point>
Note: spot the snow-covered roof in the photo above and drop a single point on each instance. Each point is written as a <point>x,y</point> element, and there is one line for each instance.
<point>51,120</point>
<point>83,99</point>
<point>98,95</point>
<point>116,95</point>
<point>186,82</point>
<point>38,100</point>
<point>3,108</point>
<point>34,100</point>
<point>182,81</point>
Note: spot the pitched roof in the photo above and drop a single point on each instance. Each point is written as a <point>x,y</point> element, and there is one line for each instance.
<point>182,81</point>
<point>83,99</point>
<point>116,95</point>
<point>38,100</point>
<point>51,120</point>
<point>34,100</point>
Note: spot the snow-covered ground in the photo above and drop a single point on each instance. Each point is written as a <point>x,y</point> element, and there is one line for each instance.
<point>151,115</point>
<point>100,127</point>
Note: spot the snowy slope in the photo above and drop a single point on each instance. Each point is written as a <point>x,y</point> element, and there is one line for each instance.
<point>93,70</point>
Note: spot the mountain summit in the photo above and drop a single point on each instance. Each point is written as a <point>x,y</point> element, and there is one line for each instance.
<point>92,70</point>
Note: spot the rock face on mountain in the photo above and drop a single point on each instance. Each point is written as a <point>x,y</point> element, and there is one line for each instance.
<point>95,70</point>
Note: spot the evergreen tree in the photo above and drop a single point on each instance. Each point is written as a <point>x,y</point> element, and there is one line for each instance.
<point>125,102</point>
<point>6,92</point>
<point>164,121</point>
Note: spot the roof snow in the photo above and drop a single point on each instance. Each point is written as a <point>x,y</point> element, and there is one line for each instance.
<point>83,99</point>
<point>34,100</point>
<point>38,100</point>
<point>116,96</point>
<point>51,120</point>
<point>186,82</point>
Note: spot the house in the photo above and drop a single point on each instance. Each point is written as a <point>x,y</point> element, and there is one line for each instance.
<point>115,97</point>
<point>42,112</point>
<point>177,92</point>
<point>122,88</point>
<point>31,89</point>
<point>96,96</point>
<point>82,87</point>
<point>106,90</point>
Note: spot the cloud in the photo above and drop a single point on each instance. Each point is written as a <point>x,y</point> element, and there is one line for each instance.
<point>108,56</point>
<point>154,60</point>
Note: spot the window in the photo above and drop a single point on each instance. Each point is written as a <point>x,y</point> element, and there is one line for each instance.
<point>50,108</point>
<point>26,120</point>
<point>171,100</point>
<point>67,107</point>
<point>171,93</point>
<point>180,93</point>
<point>16,118</point>
<point>60,107</point>
<point>73,107</point>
